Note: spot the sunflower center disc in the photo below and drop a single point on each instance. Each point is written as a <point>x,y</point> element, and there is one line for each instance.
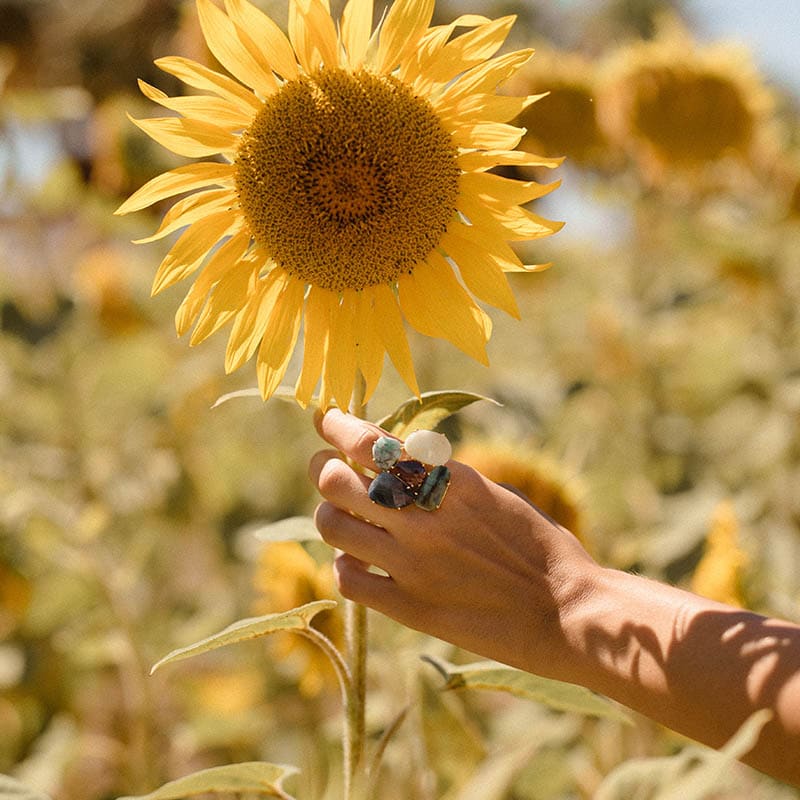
<point>347,179</point>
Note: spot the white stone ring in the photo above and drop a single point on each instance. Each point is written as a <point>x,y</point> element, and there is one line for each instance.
<point>420,478</point>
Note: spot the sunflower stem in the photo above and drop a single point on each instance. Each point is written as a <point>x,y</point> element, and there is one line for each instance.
<point>356,639</point>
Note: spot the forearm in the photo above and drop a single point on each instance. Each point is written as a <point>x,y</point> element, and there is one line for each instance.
<point>696,666</point>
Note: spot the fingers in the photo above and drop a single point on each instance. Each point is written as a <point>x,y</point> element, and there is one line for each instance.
<point>341,485</point>
<point>357,583</point>
<point>368,543</point>
<point>350,435</point>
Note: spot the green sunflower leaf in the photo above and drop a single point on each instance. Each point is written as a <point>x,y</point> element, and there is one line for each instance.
<point>428,411</point>
<point>11,789</point>
<point>251,777</point>
<point>554,694</point>
<point>250,628</point>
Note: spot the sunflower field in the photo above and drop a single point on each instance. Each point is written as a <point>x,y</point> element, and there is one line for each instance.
<point>621,342</point>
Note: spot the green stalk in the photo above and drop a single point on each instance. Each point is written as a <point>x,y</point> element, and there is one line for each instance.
<point>356,642</point>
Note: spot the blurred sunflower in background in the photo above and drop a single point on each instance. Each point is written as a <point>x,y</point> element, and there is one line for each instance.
<point>564,122</point>
<point>675,104</point>
<point>720,573</point>
<point>102,281</point>
<point>541,479</point>
<point>288,576</point>
<point>349,188</point>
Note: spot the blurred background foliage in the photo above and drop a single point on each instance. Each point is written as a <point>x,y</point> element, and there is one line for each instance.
<point>651,397</point>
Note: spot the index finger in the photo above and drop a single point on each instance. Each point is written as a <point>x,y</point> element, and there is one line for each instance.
<point>350,435</point>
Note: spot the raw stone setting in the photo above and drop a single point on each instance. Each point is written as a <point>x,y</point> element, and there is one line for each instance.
<point>409,482</point>
<point>401,483</point>
<point>389,491</point>
<point>429,447</point>
<point>412,473</point>
<point>386,452</point>
<point>434,489</point>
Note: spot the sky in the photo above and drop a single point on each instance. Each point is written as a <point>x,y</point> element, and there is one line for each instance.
<point>771,28</point>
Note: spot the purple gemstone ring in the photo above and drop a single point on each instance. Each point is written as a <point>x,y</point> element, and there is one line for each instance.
<point>407,482</point>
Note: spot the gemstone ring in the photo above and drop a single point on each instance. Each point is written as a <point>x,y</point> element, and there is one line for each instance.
<point>420,478</point>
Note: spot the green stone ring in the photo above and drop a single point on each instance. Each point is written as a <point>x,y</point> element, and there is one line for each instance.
<point>403,482</point>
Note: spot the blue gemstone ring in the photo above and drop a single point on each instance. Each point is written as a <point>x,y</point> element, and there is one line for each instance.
<point>403,482</point>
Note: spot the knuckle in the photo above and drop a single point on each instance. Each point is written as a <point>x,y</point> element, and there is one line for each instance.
<point>323,515</point>
<point>366,438</point>
<point>333,477</point>
<point>346,578</point>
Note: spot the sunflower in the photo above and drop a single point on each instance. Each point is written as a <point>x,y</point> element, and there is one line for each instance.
<point>676,104</point>
<point>565,121</point>
<point>720,573</point>
<point>289,576</point>
<point>349,190</point>
<point>541,479</point>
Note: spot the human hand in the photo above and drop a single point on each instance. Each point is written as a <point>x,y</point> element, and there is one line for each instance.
<point>487,571</point>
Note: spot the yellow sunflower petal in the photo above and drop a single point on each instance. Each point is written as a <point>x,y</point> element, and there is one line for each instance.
<point>369,344</point>
<point>511,223</point>
<point>316,329</point>
<point>356,30</point>
<point>415,63</point>
<point>489,242</point>
<point>390,327</point>
<point>405,23</point>
<point>435,303</point>
<point>488,136</point>
<point>481,273</point>
<point>223,261</point>
<point>217,110</point>
<point>283,326</point>
<point>325,398</point>
<point>340,360</point>
<point>256,52</point>
<point>191,249</point>
<point>225,301</point>
<point>504,190</point>
<point>323,30</point>
<point>313,34</point>
<point>177,181</point>
<point>251,322</point>
<point>201,77</point>
<point>221,37</point>
<point>187,137</point>
<point>413,67</point>
<point>476,160</point>
<point>468,50</point>
<point>485,77</point>
<point>190,210</point>
<point>484,108</point>
<point>264,31</point>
